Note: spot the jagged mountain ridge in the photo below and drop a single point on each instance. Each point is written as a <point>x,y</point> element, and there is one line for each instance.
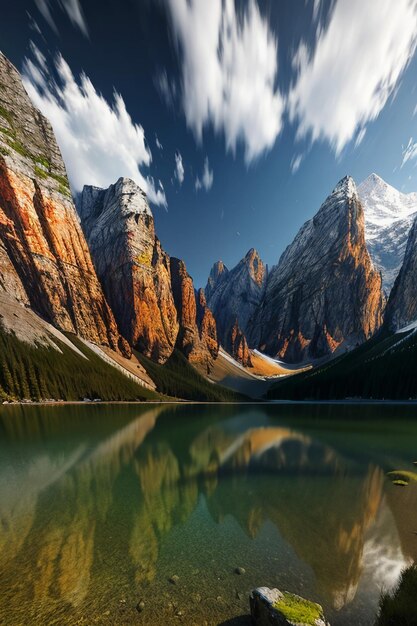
<point>401,308</point>
<point>234,296</point>
<point>324,292</point>
<point>151,294</point>
<point>44,258</point>
<point>389,215</point>
<point>132,266</point>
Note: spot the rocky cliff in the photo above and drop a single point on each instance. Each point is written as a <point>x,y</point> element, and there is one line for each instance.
<point>235,295</point>
<point>238,346</point>
<point>44,258</point>
<point>197,337</point>
<point>324,292</point>
<point>207,324</point>
<point>401,309</point>
<point>389,215</point>
<point>133,268</point>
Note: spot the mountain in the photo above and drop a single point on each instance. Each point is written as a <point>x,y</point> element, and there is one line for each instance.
<point>198,344</point>
<point>132,266</point>
<point>389,215</point>
<point>45,263</point>
<point>382,368</point>
<point>239,346</point>
<point>324,293</point>
<point>151,294</point>
<point>401,309</point>
<point>217,272</point>
<point>234,296</point>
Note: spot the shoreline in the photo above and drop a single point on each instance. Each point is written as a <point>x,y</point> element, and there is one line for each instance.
<point>352,402</point>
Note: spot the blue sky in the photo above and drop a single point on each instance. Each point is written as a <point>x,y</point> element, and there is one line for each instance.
<point>330,85</point>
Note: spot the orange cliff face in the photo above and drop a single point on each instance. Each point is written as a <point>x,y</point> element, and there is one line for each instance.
<point>325,292</point>
<point>44,258</point>
<point>197,337</point>
<point>134,269</point>
<point>238,346</point>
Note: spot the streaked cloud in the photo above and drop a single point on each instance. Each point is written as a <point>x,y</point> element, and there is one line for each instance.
<point>409,152</point>
<point>229,68</point>
<point>72,8</point>
<point>355,66</point>
<point>206,179</point>
<point>98,139</point>
<point>179,168</point>
<point>296,162</point>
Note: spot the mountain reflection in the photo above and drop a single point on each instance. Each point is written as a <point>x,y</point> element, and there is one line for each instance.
<point>84,517</point>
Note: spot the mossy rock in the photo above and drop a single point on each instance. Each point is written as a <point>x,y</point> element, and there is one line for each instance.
<point>280,608</point>
<point>298,610</point>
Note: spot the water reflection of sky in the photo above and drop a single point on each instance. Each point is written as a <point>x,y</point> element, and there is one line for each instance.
<point>101,504</point>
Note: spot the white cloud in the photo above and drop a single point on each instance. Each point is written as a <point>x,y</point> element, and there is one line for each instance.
<point>296,162</point>
<point>206,179</point>
<point>72,8</point>
<point>360,136</point>
<point>229,71</point>
<point>179,168</point>
<point>166,88</point>
<point>409,152</point>
<point>158,143</point>
<point>99,141</point>
<point>355,67</point>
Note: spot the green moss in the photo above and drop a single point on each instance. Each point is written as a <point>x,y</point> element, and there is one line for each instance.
<point>7,131</point>
<point>4,113</point>
<point>40,173</point>
<point>65,191</point>
<point>403,476</point>
<point>298,610</point>
<point>62,180</point>
<point>4,151</point>
<point>19,148</point>
<point>42,161</point>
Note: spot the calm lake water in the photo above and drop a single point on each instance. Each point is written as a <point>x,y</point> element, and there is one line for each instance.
<point>101,505</point>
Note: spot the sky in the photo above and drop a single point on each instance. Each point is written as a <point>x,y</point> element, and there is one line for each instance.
<point>237,117</point>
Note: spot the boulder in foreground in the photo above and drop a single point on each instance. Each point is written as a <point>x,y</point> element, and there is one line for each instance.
<point>272,607</point>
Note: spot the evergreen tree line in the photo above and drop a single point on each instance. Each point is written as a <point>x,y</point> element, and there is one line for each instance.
<point>383,368</point>
<point>39,372</point>
<point>178,379</point>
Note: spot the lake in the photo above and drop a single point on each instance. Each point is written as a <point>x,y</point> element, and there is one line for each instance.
<point>101,505</point>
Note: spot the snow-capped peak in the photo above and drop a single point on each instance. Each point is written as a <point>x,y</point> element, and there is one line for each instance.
<point>389,215</point>
<point>383,204</point>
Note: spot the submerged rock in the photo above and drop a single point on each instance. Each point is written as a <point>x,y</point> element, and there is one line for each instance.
<point>280,608</point>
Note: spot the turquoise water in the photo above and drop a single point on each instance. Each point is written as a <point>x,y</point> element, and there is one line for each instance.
<point>101,505</point>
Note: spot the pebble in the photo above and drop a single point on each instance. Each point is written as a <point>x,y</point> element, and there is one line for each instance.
<point>140,606</point>
<point>174,579</point>
<point>240,571</point>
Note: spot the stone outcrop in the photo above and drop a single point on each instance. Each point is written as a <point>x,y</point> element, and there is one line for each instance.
<point>197,337</point>
<point>207,324</point>
<point>325,292</point>
<point>44,259</point>
<point>238,346</point>
<point>401,309</point>
<point>133,268</point>
<point>272,607</point>
<point>235,294</point>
